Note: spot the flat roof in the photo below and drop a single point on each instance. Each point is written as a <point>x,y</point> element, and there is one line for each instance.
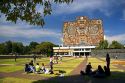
<point>74,47</point>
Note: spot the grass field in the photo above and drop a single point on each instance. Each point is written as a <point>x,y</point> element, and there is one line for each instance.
<point>95,62</point>
<point>9,65</point>
<point>116,72</point>
<point>67,65</point>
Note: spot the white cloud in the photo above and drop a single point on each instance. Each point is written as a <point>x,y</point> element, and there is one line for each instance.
<point>119,38</point>
<point>20,31</point>
<point>103,6</point>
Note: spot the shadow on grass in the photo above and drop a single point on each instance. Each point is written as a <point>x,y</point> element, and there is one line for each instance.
<point>116,77</point>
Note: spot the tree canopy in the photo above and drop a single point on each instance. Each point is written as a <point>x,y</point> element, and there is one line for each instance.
<point>116,45</point>
<point>103,44</point>
<point>10,47</point>
<point>25,10</point>
<point>44,48</point>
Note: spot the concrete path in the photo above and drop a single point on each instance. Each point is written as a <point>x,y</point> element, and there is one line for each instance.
<point>80,67</point>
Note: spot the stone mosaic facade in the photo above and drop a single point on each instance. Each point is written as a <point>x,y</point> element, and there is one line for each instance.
<point>83,31</point>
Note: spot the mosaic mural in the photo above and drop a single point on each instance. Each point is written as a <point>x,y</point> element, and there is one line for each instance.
<point>83,31</point>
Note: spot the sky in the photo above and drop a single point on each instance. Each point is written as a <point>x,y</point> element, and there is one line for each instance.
<point>111,12</point>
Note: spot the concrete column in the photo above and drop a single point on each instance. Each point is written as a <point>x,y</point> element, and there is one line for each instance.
<point>79,54</point>
<point>69,52</point>
<point>84,53</point>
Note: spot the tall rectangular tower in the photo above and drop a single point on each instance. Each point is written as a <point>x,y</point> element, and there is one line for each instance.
<point>83,31</point>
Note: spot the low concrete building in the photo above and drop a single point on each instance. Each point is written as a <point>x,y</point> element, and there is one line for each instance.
<point>73,50</point>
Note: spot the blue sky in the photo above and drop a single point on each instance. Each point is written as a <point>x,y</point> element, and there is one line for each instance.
<point>112,12</point>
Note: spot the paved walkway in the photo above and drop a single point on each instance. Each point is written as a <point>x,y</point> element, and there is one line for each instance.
<point>80,67</point>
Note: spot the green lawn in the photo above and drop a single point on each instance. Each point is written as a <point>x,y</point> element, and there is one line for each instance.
<point>11,68</point>
<point>67,65</point>
<point>116,72</point>
<point>12,61</point>
<point>95,62</point>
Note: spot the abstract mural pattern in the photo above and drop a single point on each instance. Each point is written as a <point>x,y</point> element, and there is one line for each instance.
<point>83,31</point>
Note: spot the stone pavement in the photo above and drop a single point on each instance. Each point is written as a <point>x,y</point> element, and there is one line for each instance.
<point>80,67</point>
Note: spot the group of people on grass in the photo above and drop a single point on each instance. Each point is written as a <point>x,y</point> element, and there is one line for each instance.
<point>99,72</point>
<point>31,68</point>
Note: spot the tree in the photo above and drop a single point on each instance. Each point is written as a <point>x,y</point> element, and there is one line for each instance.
<point>44,48</point>
<point>26,50</point>
<point>32,44</point>
<point>8,46</point>
<point>17,47</point>
<point>116,45</point>
<point>25,10</point>
<point>2,48</point>
<point>103,44</point>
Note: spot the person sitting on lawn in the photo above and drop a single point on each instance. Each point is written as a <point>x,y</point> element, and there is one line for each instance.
<point>107,71</point>
<point>31,66</point>
<point>27,69</point>
<point>31,63</point>
<point>43,68</point>
<point>99,72</point>
<point>47,71</point>
<point>37,67</point>
<point>88,69</point>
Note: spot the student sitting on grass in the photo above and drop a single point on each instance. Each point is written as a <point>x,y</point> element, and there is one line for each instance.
<point>27,69</point>
<point>31,63</point>
<point>37,67</point>
<point>88,70</point>
<point>99,72</point>
<point>43,69</point>
<point>31,66</point>
<point>107,71</point>
<point>47,71</point>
